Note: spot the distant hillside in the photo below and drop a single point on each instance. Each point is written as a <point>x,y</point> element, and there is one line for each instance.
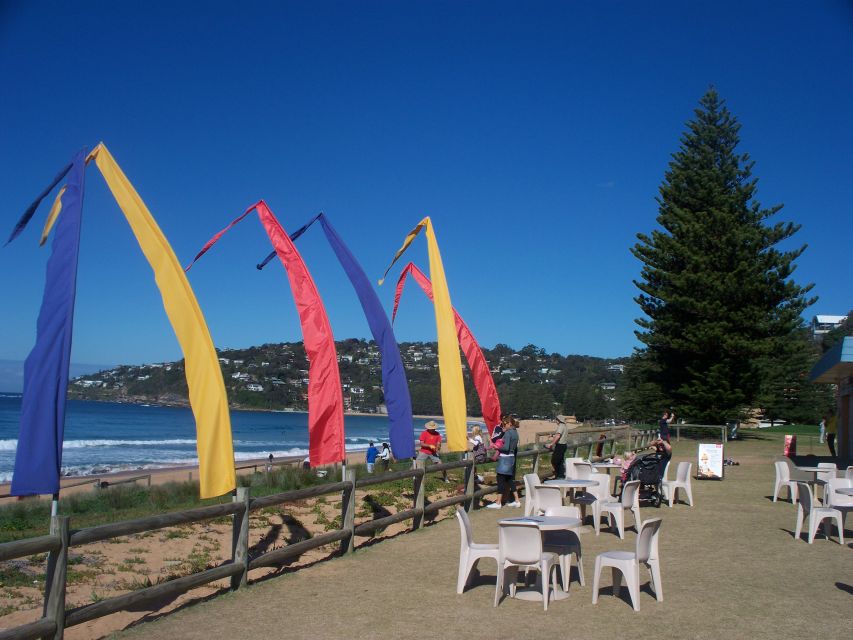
<point>275,376</point>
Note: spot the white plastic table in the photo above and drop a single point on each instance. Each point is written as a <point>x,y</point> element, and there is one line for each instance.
<point>845,491</point>
<point>544,523</point>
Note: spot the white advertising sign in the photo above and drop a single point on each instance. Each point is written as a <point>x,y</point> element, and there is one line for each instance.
<point>710,461</point>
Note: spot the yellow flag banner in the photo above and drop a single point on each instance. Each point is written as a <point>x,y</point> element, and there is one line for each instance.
<point>449,361</point>
<point>204,377</point>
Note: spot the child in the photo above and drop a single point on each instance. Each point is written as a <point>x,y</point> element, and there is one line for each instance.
<point>497,442</point>
<point>626,464</point>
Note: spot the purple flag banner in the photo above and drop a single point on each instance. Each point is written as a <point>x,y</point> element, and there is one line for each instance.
<point>38,458</point>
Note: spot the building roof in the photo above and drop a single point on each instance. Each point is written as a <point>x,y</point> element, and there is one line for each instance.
<point>836,364</point>
<point>829,319</point>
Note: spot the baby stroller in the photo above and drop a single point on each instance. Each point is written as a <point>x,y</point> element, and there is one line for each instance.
<point>648,469</point>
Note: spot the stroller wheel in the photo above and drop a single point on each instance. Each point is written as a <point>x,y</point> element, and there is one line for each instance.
<point>657,497</point>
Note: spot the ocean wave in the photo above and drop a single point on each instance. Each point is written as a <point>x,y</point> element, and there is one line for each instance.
<point>11,444</point>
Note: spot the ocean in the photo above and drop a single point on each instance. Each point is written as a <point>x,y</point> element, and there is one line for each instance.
<point>102,437</point>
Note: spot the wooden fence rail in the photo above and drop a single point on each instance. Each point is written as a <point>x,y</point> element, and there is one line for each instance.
<point>56,618</point>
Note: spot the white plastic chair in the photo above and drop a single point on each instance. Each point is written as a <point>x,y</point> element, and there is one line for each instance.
<point>837,500</point>
<point>469,551</point>
<point>595,495</point>
<point>822,477</point>
<point>682,481</point>
<point>848,475</point>
<point>545,497</point>
<point>520,546</point>
<point>531,481</point>
<point>583,470</point>
<point>565,543</point>
<point>783,479</point>
<point>817,515</point>
<point>615,509</point>
<point>570,467</point>
<point>627,563</point>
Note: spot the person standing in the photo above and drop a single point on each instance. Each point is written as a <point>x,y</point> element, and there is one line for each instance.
<point>559,443</point>
<point>370,457</point>
<point>663,425</point>
<point>822,430</point>
<point>831,430</point>
<point>385,456</point>
<point>430,442</point>
<point>505,469</point>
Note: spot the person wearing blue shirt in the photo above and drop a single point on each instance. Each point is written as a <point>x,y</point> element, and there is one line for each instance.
<point>372,454</point>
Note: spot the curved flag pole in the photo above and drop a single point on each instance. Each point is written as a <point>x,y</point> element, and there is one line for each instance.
<point>394,384</point>
<point>449,362</point>
<point>325,397</point>
<point>480,373</point>
<point>204,377</point>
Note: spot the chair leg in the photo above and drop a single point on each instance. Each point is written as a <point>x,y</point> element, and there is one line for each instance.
<point>799,526</point>
<point>839,522</point>
<point>633,580</point>
<point>654,571</point>
<point>672,493</point>
<point>579,560</point>
<point>776,490</point>
<point>814,523</point>
<point>596,580</point>
<point>619,516</point>
<point>465,566</point>
<point>689,489</point>
<point>499,584</point>
<point>545,577</point>
<point>566,569</point>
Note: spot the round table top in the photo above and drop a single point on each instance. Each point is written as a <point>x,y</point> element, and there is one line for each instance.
<point>606,465</point>
<point>570,482</point>
<point>546,523</point>
<point>845,491</point>
<point>815,469</point>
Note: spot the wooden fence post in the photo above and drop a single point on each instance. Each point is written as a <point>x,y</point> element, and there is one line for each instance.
<point>348,513</point>
<point>419,482</point>
<point>240,539</point>
<point>54,580</point>
<point>470,483</point>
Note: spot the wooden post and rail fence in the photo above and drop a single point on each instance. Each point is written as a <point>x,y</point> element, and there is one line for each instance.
<point>56,618</point>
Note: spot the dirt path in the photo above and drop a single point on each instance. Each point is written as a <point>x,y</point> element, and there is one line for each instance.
<point>730,569</point>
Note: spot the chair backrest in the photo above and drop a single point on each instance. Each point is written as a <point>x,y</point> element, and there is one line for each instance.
<point>564,512</point>
<point>647,540</point>
<point>465,527</point>
<point>570,467</point>
<point>804,496</point>
<point>631,494</point>
<point>849,473</point>
<point>531,481</point>
<point>683,472</point>
<point>602,489</point>
<point>520,542</point>
<point>547,496</point>
<point>831,471</point>
<point>836,499</point>
<point>783,474</point>
<point>583,470</point>
<point>666,470</point>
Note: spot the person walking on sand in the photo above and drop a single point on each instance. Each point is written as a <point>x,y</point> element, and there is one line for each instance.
<point>430,442</point>
<point>505,469</point>
<point>559,443</point>
<point>822,430</point>
<point>385,456</point>
<point>370,457</point>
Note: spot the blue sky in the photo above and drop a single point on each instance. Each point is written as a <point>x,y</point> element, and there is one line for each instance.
<point>535,134</point>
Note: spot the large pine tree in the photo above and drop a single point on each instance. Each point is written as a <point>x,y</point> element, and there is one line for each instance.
<point>716,290</point>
